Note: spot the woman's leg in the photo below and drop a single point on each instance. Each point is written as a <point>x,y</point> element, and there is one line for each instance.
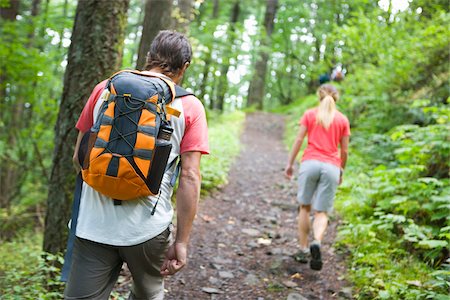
<point>320,225</point>
<point>304,226</point>
<point>326,189</point>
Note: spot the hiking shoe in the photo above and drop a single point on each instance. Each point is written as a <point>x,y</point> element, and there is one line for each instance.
<point>301,256</point>
<point>316,258</point>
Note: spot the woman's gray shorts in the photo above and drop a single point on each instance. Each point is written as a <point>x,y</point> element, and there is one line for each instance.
<point>317,183</point>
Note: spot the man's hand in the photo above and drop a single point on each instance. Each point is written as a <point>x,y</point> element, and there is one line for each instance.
<point>175,260</point>
<point>76,165</point>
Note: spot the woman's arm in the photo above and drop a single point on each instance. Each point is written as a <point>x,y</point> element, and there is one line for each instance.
<point>344,154</point>
<point>289,170</point>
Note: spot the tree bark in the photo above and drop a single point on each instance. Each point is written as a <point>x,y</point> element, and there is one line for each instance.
<point>94,54</point>
<point>256,88</point>
<point>157,17</point>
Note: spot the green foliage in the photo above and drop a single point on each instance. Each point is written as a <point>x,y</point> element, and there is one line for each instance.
<point>224,132</point>
<point>392,63</point>
<point>401,210</point>
<point>30,84</point>
<point>28,273</point>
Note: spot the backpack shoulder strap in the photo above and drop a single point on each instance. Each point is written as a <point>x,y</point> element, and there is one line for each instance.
<point>180,92</point>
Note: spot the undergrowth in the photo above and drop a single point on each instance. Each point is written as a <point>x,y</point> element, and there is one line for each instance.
<point>28,273</point>
<point>224,134</point>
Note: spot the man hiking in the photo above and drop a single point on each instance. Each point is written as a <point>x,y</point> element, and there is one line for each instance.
<point>137,231</point>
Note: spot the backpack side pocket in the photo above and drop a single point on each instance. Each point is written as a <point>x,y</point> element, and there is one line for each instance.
<point>158,165</point>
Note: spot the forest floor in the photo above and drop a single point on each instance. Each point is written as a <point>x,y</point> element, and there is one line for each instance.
<point>245,233</point>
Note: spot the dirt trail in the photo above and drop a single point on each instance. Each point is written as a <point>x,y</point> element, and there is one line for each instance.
<point>244,234</point>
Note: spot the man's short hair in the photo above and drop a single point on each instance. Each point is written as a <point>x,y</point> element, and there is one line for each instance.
<point>170,50</point>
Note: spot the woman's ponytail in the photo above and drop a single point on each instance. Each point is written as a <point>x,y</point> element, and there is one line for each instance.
<point>327,106</point>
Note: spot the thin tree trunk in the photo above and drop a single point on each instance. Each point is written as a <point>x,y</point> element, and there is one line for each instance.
<point>35,6</point>
<point>184,18</point>
<point>207,61</point>
<point>10,12</point>
<point>8,169</point>
<point>135,47</point>
<point>256,88</point>
<point>61,32</point>
<point>94,54</point>
<point>223,81</point>
<point>157,17</point>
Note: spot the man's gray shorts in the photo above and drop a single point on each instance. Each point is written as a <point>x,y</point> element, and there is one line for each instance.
<point>96,267</point>
<point>317,184</point>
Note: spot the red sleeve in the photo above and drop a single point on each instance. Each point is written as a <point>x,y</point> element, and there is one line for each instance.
<point>86,119</point>
<point>195,136</point>
<point>305,120</point>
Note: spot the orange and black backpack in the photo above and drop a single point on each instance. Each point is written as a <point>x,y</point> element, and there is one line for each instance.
<point>125,154</point>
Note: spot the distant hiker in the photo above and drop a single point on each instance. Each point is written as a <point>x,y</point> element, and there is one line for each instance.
<point>324,78</point>
<point>321,169</point>
<point>337,74</point>
<point>124,228</point>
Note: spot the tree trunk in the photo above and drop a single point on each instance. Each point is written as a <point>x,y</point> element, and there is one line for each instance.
<point>256,88</point>
<point>10,12</point>
<point>208,60</point>
<point>61,32</point>
<point>35,5</point>
<point>223,80</point>
<point>184,16</point>
<point>8,169</point>
<point>157,17</point>
<point>135,48</point>
<point>94,54</point>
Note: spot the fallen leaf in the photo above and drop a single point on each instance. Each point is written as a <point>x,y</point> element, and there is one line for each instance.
<point>297,276</point>
<point>289,284</point>
<point>207,218</point>
<point>211,290</point>
<point>265,242</point>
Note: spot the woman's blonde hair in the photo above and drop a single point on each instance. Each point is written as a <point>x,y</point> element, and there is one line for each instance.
<point>328,96</point>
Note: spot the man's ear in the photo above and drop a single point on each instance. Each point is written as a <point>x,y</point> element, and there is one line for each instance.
<point>183,69</point>
<point>185,66</point>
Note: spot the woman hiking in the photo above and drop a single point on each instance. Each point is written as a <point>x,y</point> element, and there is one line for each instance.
<point>321,169</point>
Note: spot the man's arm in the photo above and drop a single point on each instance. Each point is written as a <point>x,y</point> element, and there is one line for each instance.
<point>188,194</point>
<point>75,160</point>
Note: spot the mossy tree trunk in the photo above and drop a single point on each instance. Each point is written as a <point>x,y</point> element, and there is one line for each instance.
<point>94,54</point>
